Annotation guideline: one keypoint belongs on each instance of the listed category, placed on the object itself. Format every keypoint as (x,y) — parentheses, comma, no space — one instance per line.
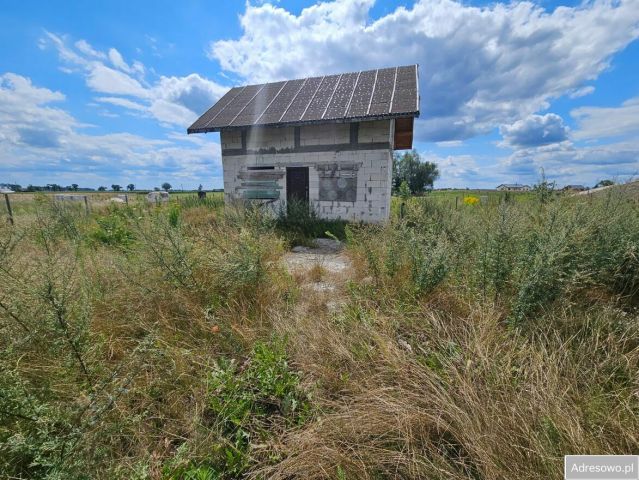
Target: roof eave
(388,116)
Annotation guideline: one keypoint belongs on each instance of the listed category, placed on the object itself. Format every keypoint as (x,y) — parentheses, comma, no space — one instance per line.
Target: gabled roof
(371,94)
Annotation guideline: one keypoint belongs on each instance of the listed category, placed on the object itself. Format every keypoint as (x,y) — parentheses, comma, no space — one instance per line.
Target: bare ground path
(321,270)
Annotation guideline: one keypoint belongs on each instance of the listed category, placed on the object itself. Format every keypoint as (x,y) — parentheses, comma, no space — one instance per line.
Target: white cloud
(84,47)
(455,170)
(41,142)
(170,100)
(569,163)
(534,131)
(607,122)
(582,92)
(123,102)
(479,66)
(103,79)
(117,61)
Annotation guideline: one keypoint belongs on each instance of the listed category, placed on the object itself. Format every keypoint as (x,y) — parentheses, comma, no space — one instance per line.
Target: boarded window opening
(261,168)
(337,183)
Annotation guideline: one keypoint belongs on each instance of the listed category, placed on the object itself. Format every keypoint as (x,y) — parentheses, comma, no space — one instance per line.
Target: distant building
(5,190)
(513,187)
(324,141)
(575,188)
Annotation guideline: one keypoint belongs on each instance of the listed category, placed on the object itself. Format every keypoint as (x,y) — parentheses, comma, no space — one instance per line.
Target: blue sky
(97,93)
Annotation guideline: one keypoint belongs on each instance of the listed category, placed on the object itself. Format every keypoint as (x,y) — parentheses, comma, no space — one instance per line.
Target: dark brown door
(297,184)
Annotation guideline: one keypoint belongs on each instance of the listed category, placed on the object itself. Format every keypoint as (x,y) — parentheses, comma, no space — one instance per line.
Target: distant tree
(74,187)
(116,188)
(409,168)
(166,186)
(604,183)
(157,189)
(200,188)
(101,189)
(130,187)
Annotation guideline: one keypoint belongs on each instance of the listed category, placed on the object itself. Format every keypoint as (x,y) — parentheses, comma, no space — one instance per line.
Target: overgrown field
(482,342)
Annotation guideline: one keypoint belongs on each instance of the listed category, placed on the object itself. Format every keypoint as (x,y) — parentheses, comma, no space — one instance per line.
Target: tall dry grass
(484,342)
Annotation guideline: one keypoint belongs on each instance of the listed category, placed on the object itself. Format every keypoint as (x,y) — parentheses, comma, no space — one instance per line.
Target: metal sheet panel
(258,104)
(280,103)
(341,96)
(214,111)
(372,94)
(302,99)
(318,105)
(383,93)
(405,96)
(362,94)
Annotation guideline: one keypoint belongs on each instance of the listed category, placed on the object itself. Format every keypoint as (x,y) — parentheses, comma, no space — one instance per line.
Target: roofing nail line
(294,97)
(269,103)
(352,94)
(313,97)
(390,106)
(230,101)
(332,94)
(247,104)
(370,102)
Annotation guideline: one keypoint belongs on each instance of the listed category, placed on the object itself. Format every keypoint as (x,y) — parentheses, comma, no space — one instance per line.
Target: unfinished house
(327,141)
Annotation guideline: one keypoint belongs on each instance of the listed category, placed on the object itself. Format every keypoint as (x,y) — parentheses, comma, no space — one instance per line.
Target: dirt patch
(321,270)
(327,254)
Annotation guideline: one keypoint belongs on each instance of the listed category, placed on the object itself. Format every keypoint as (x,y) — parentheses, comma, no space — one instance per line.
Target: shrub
(113,229)
(245,403)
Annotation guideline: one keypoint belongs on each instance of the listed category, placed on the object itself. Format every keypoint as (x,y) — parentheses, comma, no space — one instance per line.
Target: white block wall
(374,173)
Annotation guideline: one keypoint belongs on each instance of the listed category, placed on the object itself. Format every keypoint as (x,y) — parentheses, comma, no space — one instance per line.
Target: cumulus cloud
(39,141)
(170,100)
(480,67)
(534,131)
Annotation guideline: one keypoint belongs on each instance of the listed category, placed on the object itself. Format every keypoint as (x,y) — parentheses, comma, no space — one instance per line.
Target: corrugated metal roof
(372,94)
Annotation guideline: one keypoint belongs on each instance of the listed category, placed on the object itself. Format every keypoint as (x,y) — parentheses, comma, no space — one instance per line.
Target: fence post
(6,199)
(126,198)
(456,202)
(86,205)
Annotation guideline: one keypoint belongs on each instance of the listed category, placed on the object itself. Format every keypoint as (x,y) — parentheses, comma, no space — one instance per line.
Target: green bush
(113,229)
(245,403)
